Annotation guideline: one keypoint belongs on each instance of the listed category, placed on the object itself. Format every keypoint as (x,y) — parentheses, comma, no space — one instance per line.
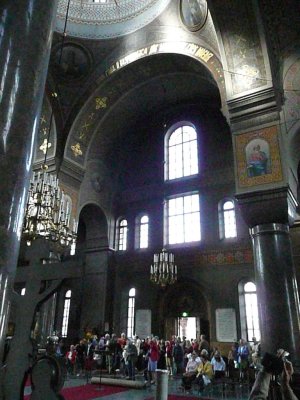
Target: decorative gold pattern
(270,135)
(84,130)
(167,47)
(76,149)
(44,146)
(43,119)
(101,102)
(232,257)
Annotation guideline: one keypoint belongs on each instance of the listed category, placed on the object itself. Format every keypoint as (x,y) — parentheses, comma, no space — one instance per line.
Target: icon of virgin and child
(257,155)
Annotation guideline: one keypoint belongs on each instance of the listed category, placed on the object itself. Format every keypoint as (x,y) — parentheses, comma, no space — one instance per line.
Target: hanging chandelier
(163,271)
(48,213)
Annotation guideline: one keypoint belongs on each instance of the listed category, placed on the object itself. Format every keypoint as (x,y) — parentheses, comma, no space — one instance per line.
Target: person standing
(71,360)
(131,359)
(161,364)
(177,357)
(153,358)
(203,345)
(243,357)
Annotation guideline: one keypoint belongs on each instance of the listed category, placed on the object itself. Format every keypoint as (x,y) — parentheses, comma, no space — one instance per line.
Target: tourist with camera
(266,383)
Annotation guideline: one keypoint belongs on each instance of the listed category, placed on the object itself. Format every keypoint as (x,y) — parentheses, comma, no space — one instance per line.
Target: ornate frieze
(225,257)
(244,54)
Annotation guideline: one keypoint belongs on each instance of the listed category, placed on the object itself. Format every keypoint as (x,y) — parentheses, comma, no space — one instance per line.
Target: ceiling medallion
(193,13)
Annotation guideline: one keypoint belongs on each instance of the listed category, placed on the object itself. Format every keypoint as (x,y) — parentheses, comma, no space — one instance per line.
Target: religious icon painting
(70,63)
(193,14)
(258,157)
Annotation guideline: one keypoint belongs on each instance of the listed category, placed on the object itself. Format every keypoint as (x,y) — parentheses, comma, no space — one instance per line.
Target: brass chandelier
(48,212)
(163,271)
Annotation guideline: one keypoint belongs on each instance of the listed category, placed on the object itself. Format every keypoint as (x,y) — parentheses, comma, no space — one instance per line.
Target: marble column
(25,42)
(278,300)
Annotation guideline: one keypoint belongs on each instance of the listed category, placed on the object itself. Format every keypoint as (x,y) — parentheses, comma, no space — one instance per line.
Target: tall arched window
(143,230)
(227,219)
(122,234)
(181,153)
(65,323)
(249,311)
(130,313)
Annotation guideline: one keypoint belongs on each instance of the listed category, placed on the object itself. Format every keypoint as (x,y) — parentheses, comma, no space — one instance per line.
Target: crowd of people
(178,356)
(193,361)
(126,355)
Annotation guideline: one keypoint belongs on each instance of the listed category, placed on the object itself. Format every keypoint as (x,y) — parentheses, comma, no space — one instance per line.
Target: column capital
(269,228)
(272,207)
(246,110)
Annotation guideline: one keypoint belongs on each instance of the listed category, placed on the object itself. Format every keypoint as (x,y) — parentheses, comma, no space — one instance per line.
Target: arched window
(227,220)
(181,153)
(143,232)
(130,313)
(65,323)
(249,311)
(122,235)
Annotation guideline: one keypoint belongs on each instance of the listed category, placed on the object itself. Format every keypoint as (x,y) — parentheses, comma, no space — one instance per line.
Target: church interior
(169,128)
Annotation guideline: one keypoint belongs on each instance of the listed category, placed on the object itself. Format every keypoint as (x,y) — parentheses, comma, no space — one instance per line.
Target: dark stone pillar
(25,42)
(277,291)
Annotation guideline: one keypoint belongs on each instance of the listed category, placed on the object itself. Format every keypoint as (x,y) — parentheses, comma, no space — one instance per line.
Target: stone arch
(128,78)
(187,296)
(94,223)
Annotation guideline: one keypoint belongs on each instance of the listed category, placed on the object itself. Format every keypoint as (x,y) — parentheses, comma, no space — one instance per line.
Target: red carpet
(88,392)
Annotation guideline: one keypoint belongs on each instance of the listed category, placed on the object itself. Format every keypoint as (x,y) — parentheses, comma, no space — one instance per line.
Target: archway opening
(188,316)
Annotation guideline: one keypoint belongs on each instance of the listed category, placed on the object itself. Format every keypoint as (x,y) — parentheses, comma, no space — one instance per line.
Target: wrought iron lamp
(163,271)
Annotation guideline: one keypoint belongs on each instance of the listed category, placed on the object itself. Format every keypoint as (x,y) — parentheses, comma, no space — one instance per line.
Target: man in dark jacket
(178,357)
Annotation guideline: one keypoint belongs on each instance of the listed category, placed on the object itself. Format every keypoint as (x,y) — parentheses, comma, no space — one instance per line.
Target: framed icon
(193,13)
